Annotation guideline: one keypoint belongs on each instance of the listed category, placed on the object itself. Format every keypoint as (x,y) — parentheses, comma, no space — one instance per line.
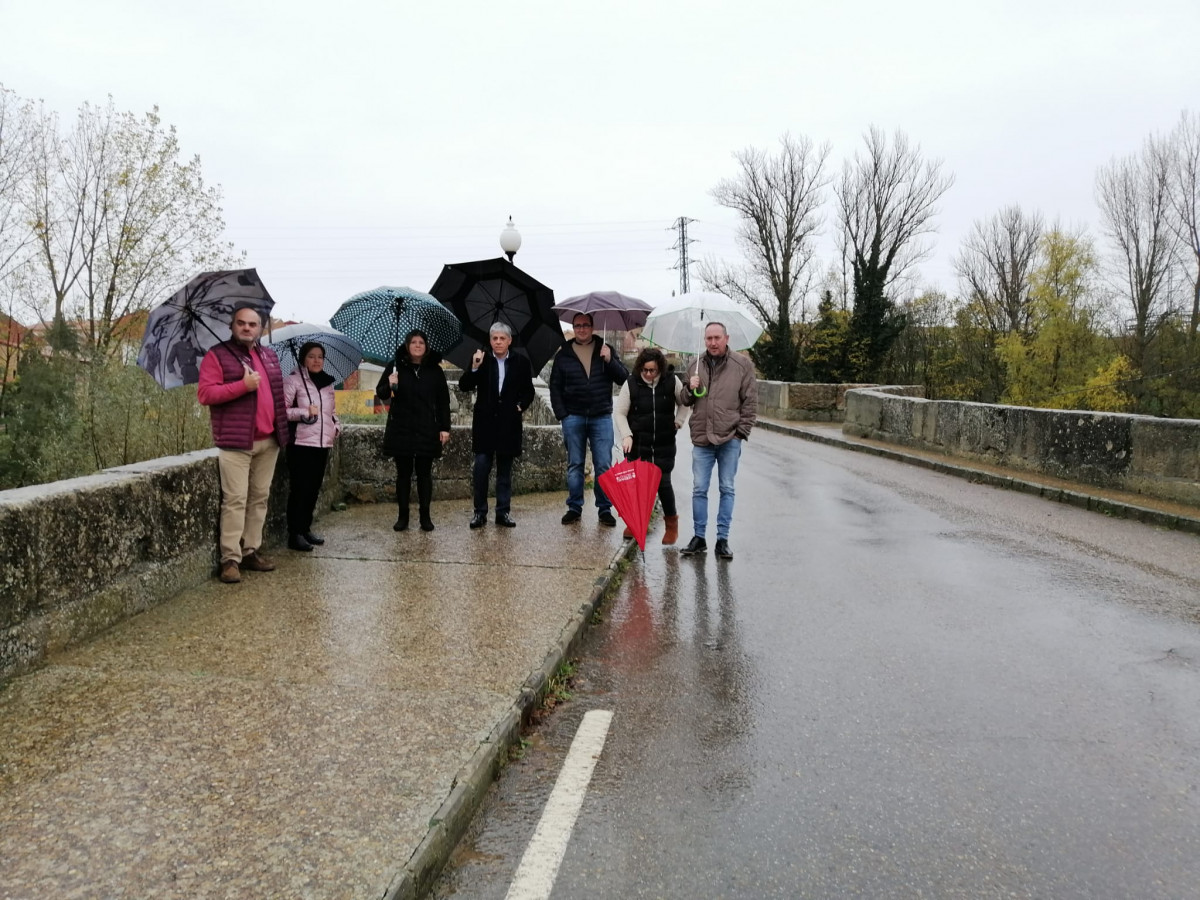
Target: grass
(558,689)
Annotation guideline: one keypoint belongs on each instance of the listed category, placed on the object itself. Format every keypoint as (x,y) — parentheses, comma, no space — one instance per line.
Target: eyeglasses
(650,370)
(579,325)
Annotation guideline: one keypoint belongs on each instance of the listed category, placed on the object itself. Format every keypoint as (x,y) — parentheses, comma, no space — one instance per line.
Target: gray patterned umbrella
(195,319)
(382,318)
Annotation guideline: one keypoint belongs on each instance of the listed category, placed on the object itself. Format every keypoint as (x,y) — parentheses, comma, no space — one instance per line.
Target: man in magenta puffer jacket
(242,385)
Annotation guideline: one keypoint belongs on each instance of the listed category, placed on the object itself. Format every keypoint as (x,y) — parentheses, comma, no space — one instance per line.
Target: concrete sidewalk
(321,731)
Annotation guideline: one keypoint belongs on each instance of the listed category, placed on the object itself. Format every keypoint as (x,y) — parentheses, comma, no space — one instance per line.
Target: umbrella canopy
(610,311)
(195,319)
(632,486)
(380,319)
(679,323)
(342,352)
(494,290)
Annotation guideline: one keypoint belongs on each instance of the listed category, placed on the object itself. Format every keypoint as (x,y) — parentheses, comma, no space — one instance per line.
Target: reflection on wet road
(904,685)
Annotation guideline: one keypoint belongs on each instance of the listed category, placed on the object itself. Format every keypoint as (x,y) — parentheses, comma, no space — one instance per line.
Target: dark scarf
(321,380)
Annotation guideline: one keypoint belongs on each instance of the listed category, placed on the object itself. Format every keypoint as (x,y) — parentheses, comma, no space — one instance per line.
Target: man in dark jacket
(242,385)
(503,382)
(581,394)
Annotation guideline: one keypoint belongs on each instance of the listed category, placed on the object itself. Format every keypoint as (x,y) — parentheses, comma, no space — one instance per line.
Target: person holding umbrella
(503,382)
(581,382)
(242,385)
(309,399)
(648,411)
(418,422)
(723,393)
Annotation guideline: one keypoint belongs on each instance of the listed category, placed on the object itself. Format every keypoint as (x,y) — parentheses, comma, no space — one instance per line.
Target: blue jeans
(578,432)
(725,457)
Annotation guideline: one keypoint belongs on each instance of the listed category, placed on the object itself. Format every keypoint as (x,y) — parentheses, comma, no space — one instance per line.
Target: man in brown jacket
(723,394)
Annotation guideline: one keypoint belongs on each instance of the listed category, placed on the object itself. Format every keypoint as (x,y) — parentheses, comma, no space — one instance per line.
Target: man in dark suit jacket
(503,382)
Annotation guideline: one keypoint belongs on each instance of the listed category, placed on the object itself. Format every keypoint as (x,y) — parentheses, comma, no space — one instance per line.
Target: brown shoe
(256,562)
(671,534)
(229,572)
(627,533)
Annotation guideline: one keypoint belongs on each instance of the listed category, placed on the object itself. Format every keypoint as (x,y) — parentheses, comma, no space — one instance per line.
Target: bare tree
(778,200)
(16,118)
(1134,194)
(1185,205)
(119,218)
(994,265)
(887,198)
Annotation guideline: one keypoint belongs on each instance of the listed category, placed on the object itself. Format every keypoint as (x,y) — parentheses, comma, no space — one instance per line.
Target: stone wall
(1156,457)
(78,556)
(368,476)
(799,402)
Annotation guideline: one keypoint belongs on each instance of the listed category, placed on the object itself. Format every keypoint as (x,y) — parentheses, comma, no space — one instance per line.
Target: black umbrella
(486,291)
(195,319)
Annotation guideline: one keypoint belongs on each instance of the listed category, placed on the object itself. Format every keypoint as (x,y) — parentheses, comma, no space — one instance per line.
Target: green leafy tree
(1106,389)
(827,345)
(1051,365)
(42,430)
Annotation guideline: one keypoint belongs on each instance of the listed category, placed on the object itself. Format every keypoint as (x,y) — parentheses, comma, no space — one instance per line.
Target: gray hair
(720,325)
(500,326)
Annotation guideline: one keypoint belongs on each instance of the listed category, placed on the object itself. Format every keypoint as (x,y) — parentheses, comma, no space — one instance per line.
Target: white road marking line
(539,866)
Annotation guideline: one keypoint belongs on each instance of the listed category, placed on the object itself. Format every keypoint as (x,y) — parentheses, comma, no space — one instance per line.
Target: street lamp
(510,239)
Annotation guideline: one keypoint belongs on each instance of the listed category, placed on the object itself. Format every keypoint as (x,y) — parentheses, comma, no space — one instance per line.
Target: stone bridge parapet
(80,555)
(1140,454)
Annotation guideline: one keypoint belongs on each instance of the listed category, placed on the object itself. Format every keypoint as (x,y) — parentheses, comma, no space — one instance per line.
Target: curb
(472,781)
(1079,499)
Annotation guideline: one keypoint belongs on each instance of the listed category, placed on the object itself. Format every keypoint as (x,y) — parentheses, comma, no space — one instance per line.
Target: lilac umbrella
(610,311)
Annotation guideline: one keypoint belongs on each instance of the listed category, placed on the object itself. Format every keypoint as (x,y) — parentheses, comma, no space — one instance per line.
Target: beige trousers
(245,485)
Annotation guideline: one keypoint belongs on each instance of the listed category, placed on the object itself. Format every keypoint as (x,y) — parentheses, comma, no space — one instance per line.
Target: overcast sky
(367,143)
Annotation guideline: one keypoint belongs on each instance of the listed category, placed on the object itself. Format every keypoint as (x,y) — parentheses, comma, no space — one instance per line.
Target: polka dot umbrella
(382,318)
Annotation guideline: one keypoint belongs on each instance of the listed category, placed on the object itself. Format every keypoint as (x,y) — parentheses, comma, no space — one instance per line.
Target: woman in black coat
(496,426)
(418,422)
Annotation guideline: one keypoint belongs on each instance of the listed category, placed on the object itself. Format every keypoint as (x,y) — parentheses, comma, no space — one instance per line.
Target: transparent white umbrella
(678,324)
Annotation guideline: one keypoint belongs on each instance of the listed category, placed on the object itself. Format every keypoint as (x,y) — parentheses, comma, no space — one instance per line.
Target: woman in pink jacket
(308,398)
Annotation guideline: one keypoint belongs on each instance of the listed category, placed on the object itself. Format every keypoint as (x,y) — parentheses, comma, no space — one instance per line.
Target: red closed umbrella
(632,486)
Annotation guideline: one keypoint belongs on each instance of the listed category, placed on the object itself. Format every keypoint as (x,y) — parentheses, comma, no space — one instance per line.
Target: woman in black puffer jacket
(418,422)
(648,412)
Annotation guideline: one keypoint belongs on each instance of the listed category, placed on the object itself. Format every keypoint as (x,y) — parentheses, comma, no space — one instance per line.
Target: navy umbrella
(342,352)
(195,319)
(382,318)
(486,291)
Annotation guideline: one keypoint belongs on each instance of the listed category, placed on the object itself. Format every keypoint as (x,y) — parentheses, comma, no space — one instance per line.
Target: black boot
(298,542)
(402,519)
(424,498)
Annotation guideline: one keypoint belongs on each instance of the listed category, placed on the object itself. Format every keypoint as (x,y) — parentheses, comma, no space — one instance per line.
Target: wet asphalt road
(904,685)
